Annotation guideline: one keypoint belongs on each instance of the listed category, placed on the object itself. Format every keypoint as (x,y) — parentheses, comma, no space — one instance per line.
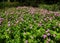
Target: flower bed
(29,25)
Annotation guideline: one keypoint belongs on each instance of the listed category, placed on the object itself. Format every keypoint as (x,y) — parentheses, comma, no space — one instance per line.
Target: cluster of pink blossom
(48,34)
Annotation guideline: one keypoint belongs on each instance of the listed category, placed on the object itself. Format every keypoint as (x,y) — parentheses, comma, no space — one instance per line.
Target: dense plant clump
(29,25)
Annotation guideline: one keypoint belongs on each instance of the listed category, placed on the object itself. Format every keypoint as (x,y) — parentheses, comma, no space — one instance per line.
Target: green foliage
(53,7)
(8,4)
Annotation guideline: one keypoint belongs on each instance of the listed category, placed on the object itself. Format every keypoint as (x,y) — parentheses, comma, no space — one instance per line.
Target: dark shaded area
(37,2)
(51,1)
(33,2)
(3,40)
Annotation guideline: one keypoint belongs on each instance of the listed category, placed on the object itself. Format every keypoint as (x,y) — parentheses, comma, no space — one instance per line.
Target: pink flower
(26,41)
(56,14)
(50,18)
(32,11)
(45,19)
(48,12)
(44,36)
(49,39)
(47,30)
(40,24)
(47,42)
(9,23)
(48,34)
(18,7)
(54,35)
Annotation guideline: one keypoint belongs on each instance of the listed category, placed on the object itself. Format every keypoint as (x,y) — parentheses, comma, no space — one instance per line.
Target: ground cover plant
(29,25)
